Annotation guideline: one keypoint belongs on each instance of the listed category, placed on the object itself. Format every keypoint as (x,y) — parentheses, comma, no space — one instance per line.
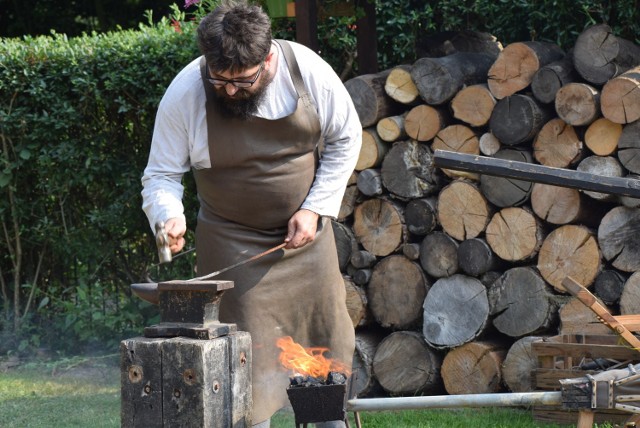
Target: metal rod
(464,400)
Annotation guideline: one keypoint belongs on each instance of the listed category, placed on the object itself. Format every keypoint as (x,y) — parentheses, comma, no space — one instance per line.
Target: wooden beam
(537,173)
(366,38)
(307,24)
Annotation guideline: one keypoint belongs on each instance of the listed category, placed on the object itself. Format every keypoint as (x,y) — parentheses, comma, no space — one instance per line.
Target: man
(272,137)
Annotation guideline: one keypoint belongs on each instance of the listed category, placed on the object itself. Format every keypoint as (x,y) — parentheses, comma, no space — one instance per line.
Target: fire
(307,361)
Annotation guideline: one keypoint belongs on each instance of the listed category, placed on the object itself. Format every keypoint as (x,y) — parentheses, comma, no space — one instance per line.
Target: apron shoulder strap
(294,70)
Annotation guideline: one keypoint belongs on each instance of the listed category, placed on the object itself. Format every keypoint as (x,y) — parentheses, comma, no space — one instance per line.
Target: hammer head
(162,242)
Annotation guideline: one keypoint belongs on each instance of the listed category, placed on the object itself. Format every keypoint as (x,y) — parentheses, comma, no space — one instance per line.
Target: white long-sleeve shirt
(180,140)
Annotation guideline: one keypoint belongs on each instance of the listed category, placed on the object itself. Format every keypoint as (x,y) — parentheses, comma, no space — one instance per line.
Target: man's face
(235,100)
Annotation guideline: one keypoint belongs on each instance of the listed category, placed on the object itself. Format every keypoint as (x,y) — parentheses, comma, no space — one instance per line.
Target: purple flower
(188,3)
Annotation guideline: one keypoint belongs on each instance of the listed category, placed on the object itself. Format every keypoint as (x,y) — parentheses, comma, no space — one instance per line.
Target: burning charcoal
(336,378)
(297,380)
(315,381)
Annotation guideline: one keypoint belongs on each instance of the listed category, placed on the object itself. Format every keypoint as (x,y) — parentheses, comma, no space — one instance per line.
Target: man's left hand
(301,229)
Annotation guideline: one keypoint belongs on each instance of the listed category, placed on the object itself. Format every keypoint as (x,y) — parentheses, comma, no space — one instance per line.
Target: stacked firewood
(450,275)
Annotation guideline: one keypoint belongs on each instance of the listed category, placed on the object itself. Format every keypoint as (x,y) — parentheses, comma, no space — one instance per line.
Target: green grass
(85,392)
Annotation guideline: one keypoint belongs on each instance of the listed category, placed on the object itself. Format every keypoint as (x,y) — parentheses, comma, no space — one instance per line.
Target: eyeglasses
(236,83)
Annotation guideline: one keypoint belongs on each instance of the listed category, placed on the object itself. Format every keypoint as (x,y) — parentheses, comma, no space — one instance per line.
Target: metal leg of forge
(190,369)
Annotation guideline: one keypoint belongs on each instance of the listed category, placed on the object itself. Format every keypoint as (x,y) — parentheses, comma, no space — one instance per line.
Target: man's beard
(244,104)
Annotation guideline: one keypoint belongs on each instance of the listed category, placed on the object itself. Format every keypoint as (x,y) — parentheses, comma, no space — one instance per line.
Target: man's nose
(230,88)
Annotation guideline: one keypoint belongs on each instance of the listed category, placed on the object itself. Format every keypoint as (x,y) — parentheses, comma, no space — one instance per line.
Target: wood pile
(452,275)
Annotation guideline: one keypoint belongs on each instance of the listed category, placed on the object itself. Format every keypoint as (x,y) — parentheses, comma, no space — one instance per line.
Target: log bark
(372,150)
(447,42)
(550,78)
(444,324)
(391,128)
(370,182)
(405,365)
(519,365)
(396,291)
(400,86)
(460,139)
(367,341)
(557,144)
(439,255)
(515,234)
(629,147)
(599,55)
(604,166)
(507,192)
(618,239)
(362,259)
(356,303)
(522,303)
(517,119)
(569,250)
(473,104)
(463,211)
(578,104)
(411,251)
(423,122)
(378,225)
(349,201)
(420,215)
(475,257)
(370,99)
(602,137)
(474,368)
(514,68)
(489,144)
(362,276)
(439,79)
(608,286)
(408,171)
(630,297)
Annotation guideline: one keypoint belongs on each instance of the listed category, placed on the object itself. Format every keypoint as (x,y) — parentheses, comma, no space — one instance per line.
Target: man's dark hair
(235,36)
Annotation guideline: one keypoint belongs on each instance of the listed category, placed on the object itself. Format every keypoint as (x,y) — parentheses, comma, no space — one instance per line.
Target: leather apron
(261,173)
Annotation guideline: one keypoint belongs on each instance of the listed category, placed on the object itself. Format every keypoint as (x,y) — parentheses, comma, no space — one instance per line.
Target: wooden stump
(518,118)
(423,122)
(367,341)
(439,79)
(463,211)
(550,78)
(370,182)
(370,98)
(606,166)
(439,254)
(576,318)
(421,215)
(608,286)
(519,364)
(459,139)
(474,368)
(599,55)
(473,104)
(602,137)
(515,234)
(578,104)
(476,258)
(405,365)
(444,324)
(356,303)
(507,192)
(522,303)
(618,239)
(515,66)
(396,291)
(564,205)
(557,144)
(378,225)
(391,128)
(372,150)
(630,297)
(349,199)
(346,243)
(569,250)
(489,144)
(400,86)
(408,171)
(362,259)
(629,147)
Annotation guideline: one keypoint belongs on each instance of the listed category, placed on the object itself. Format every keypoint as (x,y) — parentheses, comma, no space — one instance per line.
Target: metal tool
(162,242)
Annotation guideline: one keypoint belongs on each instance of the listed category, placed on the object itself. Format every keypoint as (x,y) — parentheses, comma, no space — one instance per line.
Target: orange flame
(307,361)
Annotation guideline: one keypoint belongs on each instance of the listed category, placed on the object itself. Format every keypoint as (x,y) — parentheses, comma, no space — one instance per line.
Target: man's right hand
(175,228)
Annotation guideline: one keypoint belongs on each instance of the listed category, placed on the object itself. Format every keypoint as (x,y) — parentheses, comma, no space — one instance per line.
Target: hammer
(162,242)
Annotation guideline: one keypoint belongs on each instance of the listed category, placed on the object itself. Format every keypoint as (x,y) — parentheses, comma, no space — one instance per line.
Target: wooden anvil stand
(189,370)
